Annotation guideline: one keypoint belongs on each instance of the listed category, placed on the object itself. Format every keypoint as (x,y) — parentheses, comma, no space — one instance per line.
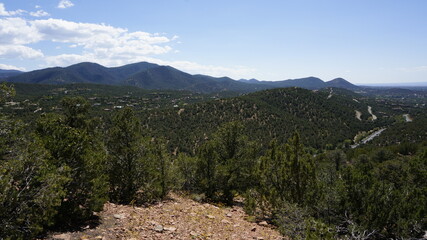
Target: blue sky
(363,41)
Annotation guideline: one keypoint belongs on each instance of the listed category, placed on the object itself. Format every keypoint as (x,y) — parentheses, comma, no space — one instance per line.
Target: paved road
(369,138)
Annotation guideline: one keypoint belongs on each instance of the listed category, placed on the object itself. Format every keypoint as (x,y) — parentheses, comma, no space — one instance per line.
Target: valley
(203,120)
(285,156)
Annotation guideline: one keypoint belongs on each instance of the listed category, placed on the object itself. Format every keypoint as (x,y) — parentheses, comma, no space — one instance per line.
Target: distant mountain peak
(341,83)
(152,76)
(4,73)
(339,79)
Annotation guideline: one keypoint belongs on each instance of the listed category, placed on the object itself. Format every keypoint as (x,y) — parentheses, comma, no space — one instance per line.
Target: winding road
(370,112)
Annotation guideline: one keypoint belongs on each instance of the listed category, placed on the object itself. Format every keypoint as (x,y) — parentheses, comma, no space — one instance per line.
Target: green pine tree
(73,142)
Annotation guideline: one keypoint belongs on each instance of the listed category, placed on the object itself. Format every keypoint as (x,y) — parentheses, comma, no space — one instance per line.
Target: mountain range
(152,76)
(9,73)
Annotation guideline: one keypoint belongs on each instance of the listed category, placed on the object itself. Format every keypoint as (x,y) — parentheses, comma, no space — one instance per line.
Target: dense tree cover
(30,185)
(384,189)
(138,167)
(34,100)
(6,92)
(66,168)
(368,193)
(265,115)
(73,142)
(287,173)
(226,163)
(401,131)
(126,156)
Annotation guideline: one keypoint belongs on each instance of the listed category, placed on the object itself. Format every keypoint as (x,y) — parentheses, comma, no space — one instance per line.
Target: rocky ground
(176,218)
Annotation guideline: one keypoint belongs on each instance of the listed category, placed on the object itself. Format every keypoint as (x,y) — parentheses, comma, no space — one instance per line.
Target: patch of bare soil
(358,115)
(177,218)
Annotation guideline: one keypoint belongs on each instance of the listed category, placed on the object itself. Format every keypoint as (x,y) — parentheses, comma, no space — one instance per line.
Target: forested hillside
(277,113)
(285,155)
(152,76)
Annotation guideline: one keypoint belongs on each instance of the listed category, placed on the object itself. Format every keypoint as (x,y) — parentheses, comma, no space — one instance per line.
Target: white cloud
(39,13)
(3,11)
(65,4)
(17,31)
(10,67)
(19,51)
(100,43)
(100,40)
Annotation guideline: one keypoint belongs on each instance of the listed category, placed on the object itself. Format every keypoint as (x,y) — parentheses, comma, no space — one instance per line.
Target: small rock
(98,237)
(63,236)
(253,229)
(263,223)
(260,238)
(170,229)
(158,228)
(225,221)
(210,216)
(193,234)
(119,216)
(229,215)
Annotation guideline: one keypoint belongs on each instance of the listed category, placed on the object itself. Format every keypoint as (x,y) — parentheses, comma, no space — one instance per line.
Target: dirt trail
(177,218)
(370,112)
(358,115)
(330,93)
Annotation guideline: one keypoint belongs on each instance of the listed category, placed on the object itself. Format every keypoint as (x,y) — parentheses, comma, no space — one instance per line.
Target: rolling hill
(79,73)
(152,76)
(307,83)
(143,75)
(268,114)
(341,83)
(9,73)
(165,77)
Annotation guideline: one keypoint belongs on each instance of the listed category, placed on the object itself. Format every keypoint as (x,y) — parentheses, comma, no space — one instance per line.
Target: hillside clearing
(176,218)
(358,115)
(370,112)
(407,118)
